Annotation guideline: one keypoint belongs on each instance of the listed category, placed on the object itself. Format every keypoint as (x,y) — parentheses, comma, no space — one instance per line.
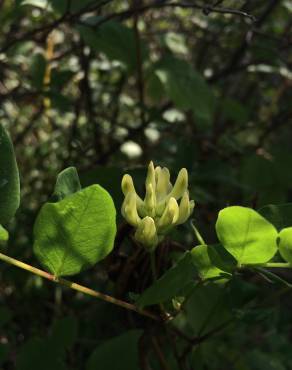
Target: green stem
(277,264)
(269,265)
(78,287)
(197,234)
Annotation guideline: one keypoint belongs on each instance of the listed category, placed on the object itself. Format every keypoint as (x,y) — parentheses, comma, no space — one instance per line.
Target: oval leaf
(201,259)
(169,284)
(185,87)
(9,179)
(119,353)
(222,259)
(67,183)
(285,244)
(76,232)
(246,235)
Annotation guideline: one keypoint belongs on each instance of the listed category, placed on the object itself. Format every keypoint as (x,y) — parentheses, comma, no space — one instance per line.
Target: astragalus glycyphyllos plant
(159,211)
(76,229)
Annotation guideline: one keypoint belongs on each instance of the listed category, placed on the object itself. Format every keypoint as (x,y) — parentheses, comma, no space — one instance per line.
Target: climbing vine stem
(77,287)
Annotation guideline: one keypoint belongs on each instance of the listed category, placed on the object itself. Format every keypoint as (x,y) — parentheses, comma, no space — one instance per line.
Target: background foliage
(107,86)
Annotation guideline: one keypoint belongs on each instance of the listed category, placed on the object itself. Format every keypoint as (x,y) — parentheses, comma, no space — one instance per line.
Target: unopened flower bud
(129,209)
(146,233)
(163,183)
(170,215)
(181,184)
(184,209)
(127,185)
(157,173)
(150,200)
(150,178)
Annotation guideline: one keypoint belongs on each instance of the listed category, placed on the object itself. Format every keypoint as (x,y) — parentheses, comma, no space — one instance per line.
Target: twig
(78,287)
(200,339)
(206,9)
(240,52)
(66,17)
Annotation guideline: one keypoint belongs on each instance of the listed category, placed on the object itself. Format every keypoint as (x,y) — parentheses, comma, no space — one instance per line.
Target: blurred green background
(107,86)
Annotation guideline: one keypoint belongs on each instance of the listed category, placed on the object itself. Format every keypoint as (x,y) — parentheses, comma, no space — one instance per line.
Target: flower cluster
(159,212)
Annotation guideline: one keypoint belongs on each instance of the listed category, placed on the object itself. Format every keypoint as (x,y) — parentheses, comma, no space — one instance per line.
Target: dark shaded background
(107,86)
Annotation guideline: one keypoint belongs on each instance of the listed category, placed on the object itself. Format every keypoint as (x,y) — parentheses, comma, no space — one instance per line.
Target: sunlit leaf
(246,235)
(114,39)
(67,183)
(203,263)
(285,244)
(75,233)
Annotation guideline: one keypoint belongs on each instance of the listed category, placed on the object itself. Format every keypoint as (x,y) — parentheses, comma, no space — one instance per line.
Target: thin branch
(243,47)
(200,339)
(47,28)
(77,287)
(206,9)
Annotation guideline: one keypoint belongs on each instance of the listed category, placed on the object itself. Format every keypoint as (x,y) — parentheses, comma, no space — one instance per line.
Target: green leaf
(119,353)
(246,235)
(285,244)
(3,234)
(207,308)
(9,179)
(176,42)
(113,39)
(76,232)
(170,284)
(275,176)
(38,354)
(221,258)
(59,101)
(60,79)
(38,70)
(280,215)
(185,87)
(201,260)
(67,183)
(61,6)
